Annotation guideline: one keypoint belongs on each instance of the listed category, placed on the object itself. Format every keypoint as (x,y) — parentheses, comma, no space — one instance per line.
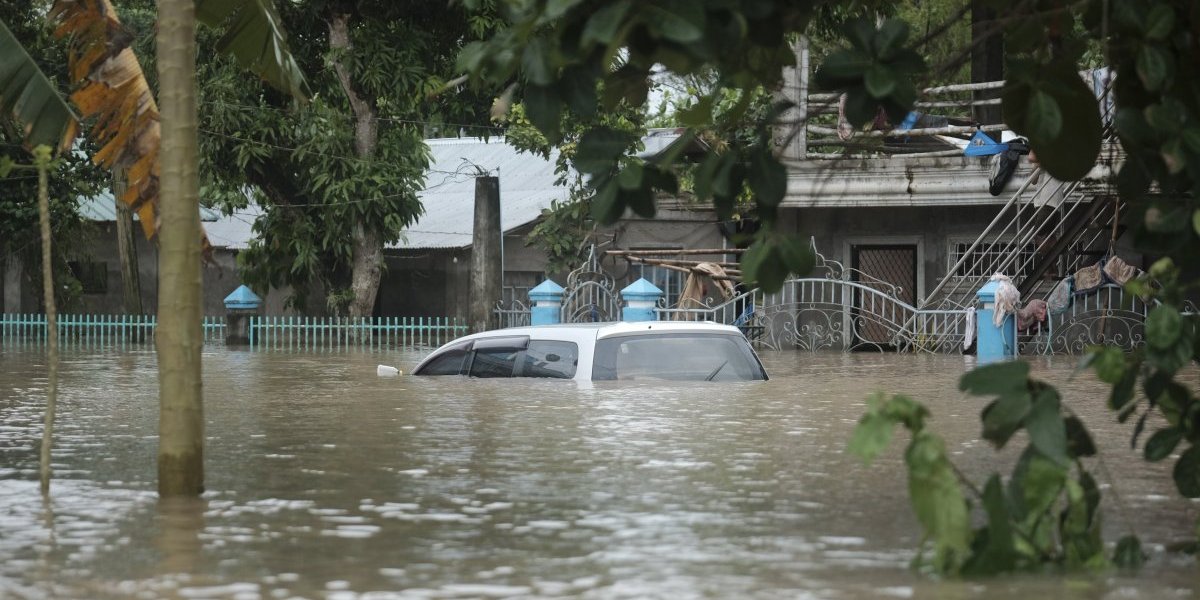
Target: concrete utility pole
(790,138)
(487,260)
(987,58)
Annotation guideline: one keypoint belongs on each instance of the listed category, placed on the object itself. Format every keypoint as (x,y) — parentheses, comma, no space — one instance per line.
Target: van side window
(449,362)
(494,362)
(546,358)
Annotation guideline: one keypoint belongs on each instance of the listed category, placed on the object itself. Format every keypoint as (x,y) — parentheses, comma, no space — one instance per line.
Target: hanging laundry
(1033,312)
(1119,271)
(1089,278)
(1007,298)
(1005,164)
(1059,299)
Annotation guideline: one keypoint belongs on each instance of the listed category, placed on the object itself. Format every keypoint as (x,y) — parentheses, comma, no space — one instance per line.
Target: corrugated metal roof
(102,208)
(527,185)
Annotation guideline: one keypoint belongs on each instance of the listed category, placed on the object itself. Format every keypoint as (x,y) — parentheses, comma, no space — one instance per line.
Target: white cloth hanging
(1008,298)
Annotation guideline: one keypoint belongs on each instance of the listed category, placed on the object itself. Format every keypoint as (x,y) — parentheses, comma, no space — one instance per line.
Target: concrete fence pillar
(239,307)
(994,343)
(545,303)
(640,299)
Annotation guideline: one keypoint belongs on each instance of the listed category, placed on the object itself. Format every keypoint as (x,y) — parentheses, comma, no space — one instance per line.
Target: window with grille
(987,258)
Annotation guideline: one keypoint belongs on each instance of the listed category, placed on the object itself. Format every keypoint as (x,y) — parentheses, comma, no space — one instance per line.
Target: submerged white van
(664,350)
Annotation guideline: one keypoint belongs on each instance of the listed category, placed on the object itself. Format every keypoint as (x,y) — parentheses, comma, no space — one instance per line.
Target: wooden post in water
(131,284)
(487,262)
(42,154)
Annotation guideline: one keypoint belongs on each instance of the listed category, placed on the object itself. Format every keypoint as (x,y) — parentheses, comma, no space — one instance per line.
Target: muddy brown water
(326,481)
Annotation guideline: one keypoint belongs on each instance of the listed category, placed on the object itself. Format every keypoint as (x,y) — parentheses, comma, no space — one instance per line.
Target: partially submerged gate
(590,295)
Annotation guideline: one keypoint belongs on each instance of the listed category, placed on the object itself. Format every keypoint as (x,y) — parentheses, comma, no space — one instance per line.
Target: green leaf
(1154,66)
(681,22)
(1071,154)
(607,204)
(641,200)
(1042,483)
(1079,441)
(28,96)
(1128,554)
(1122,391)
(1162,443)
(763,265)
(1047,432)
(871,436)
(558,8)
(1160,20)
(599,149)
(1003,417)
(1109,363)
(842,68)
(543,106)
(996,379)
(797,255)
(879,81)
(536,64)
(908,411)
(1045,118)
(254,36)
(603,25)
(1163,326)
(768,178)
(1187,473)
(669,155)
(936,496)
(999,553)
(889,37)
(630,177)
(698,114)
(1196,221)
(580,88)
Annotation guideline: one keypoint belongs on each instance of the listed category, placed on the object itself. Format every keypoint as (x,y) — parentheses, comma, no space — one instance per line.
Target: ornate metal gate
(590,295)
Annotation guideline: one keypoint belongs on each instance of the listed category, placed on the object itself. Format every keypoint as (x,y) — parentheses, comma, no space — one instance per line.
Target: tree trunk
(180,399)
(43,167)
(131,283)
(367,265)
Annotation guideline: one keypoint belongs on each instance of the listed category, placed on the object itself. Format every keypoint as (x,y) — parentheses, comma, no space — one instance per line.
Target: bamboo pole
(673,252)
(679,262)
(42,160)
(949,130)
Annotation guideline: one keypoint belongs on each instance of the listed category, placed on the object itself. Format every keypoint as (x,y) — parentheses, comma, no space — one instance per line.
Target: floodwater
(326,481)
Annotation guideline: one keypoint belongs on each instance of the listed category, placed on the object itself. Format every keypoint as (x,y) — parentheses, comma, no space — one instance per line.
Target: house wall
(436,282)
(933,229)
(219,278)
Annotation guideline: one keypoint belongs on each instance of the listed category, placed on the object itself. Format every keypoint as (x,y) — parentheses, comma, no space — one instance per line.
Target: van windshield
(678,357)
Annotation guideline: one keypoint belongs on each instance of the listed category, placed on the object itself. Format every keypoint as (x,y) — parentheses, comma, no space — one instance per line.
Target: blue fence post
(546,303)
(994,343)
(240,306)
(640,299)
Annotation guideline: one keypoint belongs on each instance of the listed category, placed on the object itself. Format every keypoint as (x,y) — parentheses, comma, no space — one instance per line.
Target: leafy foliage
(301,162)
(1046,515)
(31,99)
(72,176)
(580,58)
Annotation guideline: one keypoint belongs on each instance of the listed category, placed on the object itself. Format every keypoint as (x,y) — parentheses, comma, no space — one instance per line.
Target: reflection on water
(326,481)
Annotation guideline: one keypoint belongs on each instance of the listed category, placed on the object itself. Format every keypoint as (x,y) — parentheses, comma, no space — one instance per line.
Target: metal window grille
(987,258)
